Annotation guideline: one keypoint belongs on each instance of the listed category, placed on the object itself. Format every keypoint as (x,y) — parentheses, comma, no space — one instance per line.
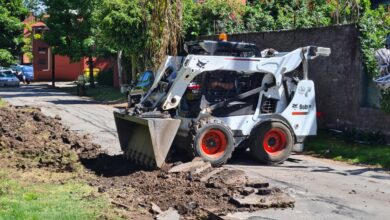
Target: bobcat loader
(221,97)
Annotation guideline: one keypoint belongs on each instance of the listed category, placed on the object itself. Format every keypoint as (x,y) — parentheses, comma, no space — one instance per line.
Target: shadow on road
(245,158)
(74,102)
(110,166)
(33,90)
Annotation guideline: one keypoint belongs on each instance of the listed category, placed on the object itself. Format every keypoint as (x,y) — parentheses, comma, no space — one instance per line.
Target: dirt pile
(29,139)
(193,192)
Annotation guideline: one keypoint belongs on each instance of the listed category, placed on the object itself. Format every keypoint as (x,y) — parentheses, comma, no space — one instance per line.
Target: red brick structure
(65,70)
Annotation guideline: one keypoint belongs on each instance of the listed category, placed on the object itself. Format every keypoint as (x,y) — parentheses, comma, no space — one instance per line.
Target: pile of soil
(29,139)
(187,192)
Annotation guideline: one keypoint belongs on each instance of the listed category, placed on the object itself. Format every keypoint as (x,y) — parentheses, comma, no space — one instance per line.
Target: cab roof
(222,48)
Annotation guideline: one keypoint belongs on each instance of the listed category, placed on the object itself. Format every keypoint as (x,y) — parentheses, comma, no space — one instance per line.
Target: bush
(374,27)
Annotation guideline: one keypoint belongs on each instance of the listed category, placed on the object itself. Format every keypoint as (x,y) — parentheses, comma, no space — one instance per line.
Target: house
(64,68)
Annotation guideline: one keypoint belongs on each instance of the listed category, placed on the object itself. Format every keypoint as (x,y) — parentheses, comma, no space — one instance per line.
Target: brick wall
(338,78)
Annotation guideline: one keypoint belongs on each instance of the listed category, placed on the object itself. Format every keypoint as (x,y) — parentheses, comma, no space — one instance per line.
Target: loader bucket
(146,141)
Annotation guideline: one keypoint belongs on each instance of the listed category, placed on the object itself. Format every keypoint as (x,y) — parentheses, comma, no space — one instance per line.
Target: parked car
(27,72)
(7,78)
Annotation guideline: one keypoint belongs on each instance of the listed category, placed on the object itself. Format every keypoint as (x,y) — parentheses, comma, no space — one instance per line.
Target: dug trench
(31,140)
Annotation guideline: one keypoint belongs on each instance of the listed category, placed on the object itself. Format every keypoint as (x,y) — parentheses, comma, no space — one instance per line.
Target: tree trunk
(53,69)
(91,77)
(133,68)
(120,69)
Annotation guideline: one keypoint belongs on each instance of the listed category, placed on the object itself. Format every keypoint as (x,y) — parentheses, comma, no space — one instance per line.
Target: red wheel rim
(274,141)
(213,143)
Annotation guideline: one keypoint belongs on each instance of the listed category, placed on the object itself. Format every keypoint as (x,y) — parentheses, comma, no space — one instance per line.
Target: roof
(38,24)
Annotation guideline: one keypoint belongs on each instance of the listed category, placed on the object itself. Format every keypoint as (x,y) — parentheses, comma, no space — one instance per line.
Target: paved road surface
(323,189)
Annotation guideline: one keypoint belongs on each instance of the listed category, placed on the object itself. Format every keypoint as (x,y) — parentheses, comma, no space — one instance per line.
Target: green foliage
(121,25)
(11,30)
(191,22)
(374,26)
(6,58)
(385,101)
(257,19)
(72,27)
(144,30)
(2,103)
(331,145)
(27,44)
(215,16)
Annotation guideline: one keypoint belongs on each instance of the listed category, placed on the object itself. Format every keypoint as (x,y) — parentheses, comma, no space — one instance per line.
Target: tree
(221,16)
(144,30)
(164,29)
(72,29)
(12,13)
(122,27)
(34,6)
(258,19)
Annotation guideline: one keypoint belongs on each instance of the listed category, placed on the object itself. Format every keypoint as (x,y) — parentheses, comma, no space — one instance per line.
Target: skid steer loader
(221,97)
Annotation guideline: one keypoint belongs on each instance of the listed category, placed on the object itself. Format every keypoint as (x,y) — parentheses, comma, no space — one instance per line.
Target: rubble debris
(257,184)
(246,191)
(206,177)
(229,178)
(277,200)
(155,208)
(170,214)
(194,165)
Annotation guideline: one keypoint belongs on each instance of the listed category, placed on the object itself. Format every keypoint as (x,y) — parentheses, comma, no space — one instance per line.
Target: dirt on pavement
(29,139)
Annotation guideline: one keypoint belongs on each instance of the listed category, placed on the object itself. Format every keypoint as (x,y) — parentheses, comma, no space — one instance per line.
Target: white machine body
(299,112)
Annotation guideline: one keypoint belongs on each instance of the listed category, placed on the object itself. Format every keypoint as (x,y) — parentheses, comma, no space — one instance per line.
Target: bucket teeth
(146,141)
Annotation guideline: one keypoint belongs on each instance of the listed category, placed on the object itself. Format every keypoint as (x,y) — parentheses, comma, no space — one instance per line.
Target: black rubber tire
(258,149)
(200,129)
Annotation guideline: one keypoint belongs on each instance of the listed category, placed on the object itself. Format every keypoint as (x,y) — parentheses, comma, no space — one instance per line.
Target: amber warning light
(222,37)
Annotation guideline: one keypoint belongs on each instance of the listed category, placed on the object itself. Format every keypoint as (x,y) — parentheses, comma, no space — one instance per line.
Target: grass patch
(2,103)
(29,200)
(332,145)
(99,93)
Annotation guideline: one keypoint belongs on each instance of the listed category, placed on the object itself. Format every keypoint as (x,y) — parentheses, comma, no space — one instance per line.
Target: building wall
(41,61)
(65,70)
(339,79)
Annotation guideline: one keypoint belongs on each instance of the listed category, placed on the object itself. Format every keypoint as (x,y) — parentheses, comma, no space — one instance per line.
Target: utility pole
(53,68)
(91,77)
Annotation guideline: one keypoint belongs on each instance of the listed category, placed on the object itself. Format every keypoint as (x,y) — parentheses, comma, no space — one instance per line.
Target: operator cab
(222,48)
